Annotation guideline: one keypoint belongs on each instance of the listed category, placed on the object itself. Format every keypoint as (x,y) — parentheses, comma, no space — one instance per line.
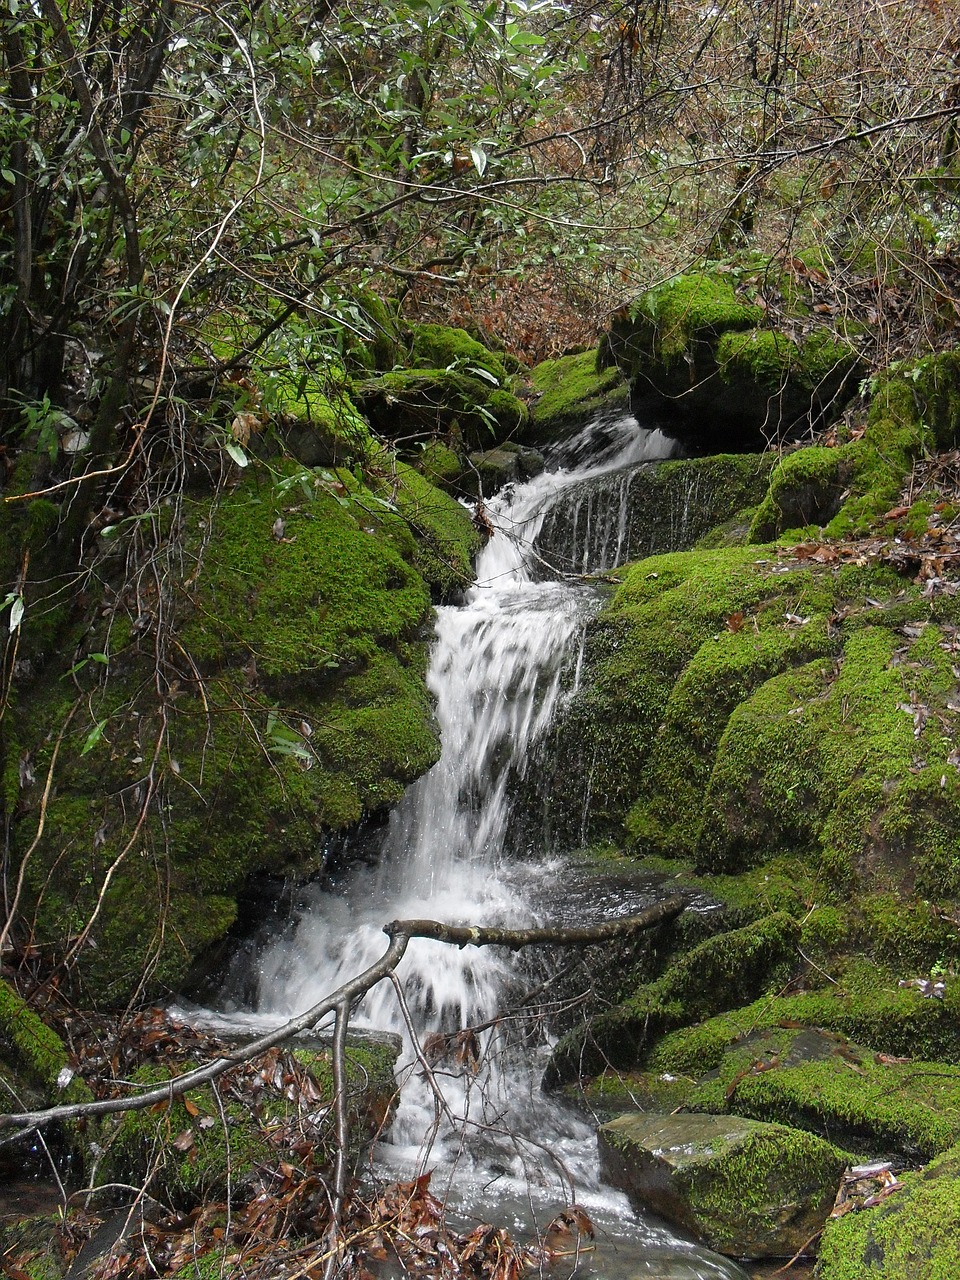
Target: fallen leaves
(865,1185)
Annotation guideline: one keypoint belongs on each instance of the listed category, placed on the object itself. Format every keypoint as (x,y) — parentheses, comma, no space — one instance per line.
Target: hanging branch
(400,932)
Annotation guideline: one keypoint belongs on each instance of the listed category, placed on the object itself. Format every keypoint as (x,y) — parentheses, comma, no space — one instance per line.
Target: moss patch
(746,1189)
(432,402)
(301,706)
(719,972)
(914,1235)
(571,390)
(438,346)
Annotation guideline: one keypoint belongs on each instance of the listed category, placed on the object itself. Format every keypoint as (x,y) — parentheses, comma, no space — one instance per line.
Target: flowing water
(498,1148)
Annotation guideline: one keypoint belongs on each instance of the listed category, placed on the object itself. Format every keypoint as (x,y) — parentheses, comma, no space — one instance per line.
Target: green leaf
(236,453)
(93,737)
(479,158)
(477,372)
(8,176)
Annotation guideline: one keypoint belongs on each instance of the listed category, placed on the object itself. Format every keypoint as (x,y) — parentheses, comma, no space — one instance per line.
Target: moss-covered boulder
(295,706)
(428,403)
(869,1009)
(913,1235)
(721,972)
(438,346)
(489,470)
(653,508)
(746,1189)
(569,391)
(698,356)
(812,1079)
(848,488)
(715,717)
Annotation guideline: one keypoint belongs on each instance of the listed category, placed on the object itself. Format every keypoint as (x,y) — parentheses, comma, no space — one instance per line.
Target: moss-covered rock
(720,972)
(914,409)
(33,1247)
(697,354)
(211,1142)
(445,538)
(653,508)
(869,1009)
(428,403)
(438,346)
(300,706)
(912,1235)
(745,1189)
(571,390)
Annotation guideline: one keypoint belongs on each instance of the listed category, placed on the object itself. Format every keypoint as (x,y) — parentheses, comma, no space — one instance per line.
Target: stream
(499,1149)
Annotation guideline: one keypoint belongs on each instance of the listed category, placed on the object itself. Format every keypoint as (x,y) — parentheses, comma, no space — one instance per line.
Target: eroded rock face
(746,1189)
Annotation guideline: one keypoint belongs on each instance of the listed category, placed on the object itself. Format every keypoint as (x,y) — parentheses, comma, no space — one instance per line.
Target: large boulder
(407,404)
(746,1189)
(700,359)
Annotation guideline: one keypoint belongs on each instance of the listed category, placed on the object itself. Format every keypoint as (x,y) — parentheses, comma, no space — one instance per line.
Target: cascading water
(500,663)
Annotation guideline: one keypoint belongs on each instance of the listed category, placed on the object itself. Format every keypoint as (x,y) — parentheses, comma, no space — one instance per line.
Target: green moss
(572,389)
(32,1247)
(869,1009)
(806,488)
(440,464)
(378,319)
(324,405)
(446,537)
(913,1109)
(437,346)
(914,408)
(913,1235)
(614,1093)
(771,360)
(743,1188)
(431,402)
(251,598)
(30,1046)
(719,972)
(722,673)
(700,303)
(313,711)
(747,1185)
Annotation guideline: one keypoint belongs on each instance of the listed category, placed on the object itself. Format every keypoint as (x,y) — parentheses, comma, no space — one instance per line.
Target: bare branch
(400,932)
(471,936)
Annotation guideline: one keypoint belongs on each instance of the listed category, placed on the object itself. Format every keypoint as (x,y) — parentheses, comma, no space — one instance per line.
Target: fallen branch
(399,932)
(473,936)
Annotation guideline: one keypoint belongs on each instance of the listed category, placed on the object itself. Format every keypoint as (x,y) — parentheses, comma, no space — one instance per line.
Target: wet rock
(491,469)
(746,1189)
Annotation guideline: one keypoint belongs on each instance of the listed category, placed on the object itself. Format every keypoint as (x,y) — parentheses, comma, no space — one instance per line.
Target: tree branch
(471,936)
(400,932)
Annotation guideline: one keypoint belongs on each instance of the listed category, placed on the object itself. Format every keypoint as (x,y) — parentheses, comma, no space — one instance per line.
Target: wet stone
(744,1188)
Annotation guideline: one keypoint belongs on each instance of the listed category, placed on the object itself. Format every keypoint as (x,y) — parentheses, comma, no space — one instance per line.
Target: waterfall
(497,668)
(500,663)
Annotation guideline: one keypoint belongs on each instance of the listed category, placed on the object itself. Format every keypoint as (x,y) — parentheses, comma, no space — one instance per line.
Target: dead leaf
(244,426)
(183,1141)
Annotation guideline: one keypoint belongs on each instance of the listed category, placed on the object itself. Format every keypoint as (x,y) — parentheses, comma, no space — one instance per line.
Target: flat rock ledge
(744,1188)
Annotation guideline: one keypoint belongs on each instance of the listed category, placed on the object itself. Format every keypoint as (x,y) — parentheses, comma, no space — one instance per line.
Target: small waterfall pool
(499,1149)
